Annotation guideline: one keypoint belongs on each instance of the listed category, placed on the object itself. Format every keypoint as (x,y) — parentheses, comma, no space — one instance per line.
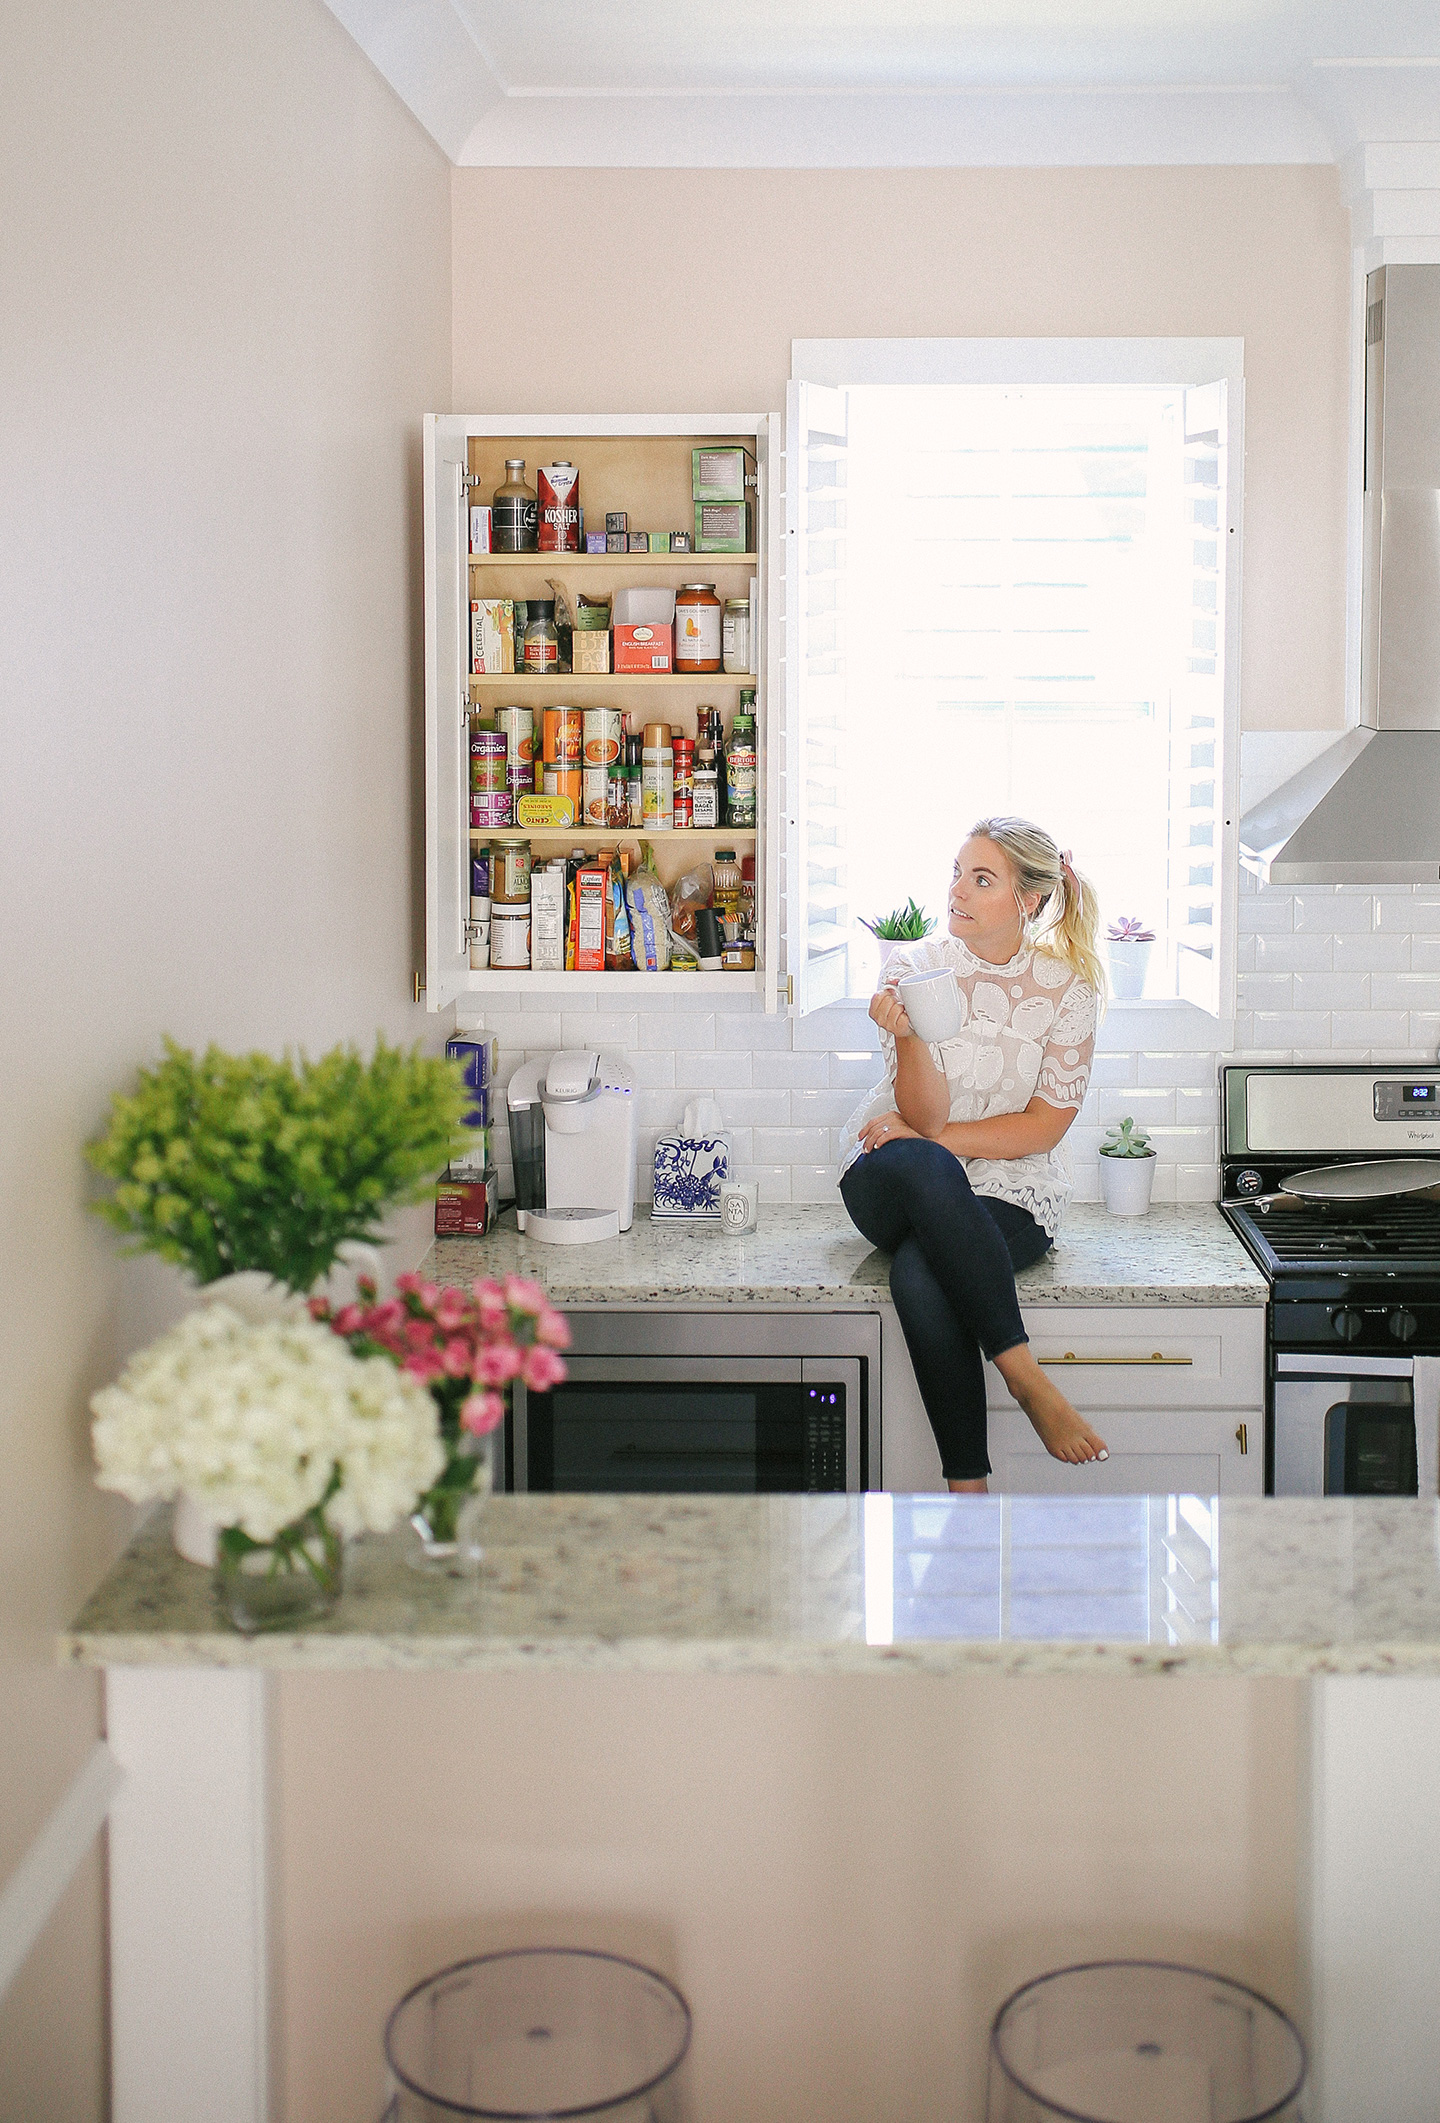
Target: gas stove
(1354,1316)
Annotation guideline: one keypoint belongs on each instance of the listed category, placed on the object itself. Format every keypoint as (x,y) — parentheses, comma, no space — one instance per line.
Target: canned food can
(601,736)
(562,737)
(510,937)
(509,875)
(595,783)
(519,727)
(487,760)
(681,812)
(489,814)
(564,781)
(520,777)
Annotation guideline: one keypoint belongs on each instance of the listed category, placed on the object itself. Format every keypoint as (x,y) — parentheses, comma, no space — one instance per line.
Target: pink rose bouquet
(468,1346)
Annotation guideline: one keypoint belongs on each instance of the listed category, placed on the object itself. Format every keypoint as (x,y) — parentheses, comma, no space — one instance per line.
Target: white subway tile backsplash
(651,1067)
(843,1025)
(792,1146)
(1198,1108)
(1280,953)
(1371,1029)
(1407,914)
(614,1030)
(1268,913)
(856,1072)
(791,1072)
(1264,991)
(1193,1072)
(1405,991)
(774,1180)
(1291,1028)
(755,1034)
(1425,954)
(822,1109)
(814,1183)
(1332,991)
(1376,952)
(1424,1033)
(689,1031)
(713,1071)
(1321,911)
(756,1109)
(1110,1071)
(1151,1109)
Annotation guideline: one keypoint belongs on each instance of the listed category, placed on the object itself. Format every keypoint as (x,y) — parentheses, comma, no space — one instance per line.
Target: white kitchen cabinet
(640,463)
(1177,1391)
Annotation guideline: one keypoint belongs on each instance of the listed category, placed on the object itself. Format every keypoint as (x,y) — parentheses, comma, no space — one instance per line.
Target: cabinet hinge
(469,480)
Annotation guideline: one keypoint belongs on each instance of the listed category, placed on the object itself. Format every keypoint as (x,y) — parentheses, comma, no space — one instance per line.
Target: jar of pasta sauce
(697,628)
(509,873)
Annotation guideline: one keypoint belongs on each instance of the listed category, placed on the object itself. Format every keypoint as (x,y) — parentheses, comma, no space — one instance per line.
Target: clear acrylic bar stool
(1142,2042)
(538,2032)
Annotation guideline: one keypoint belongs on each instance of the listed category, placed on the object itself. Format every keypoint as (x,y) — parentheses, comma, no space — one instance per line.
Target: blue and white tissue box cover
(688,1172)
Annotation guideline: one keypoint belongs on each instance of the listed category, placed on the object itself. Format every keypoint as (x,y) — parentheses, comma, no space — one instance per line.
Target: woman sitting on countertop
(953,1165)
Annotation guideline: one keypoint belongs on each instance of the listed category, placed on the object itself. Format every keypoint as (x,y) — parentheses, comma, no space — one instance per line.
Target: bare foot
(1060,1427)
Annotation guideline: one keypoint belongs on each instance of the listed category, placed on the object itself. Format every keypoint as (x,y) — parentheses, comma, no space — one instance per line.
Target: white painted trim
(191,1897)
(48,1866)
(1129,364)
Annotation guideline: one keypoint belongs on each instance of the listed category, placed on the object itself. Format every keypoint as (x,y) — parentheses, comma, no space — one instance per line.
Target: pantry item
(510,938)
(542,643)
(642,629)
(735,634)
(594,795)
(519,727)
(722,527)
(565,784)
(738,958)
(590,650)
(721,474)
(705,800)
(466,1208)
(564,621)
(616,520)
(680,542)
(600,735)
(725,891)
(594,541)
(617,919)
(558,493)
(617,797)
(591,886)
(708,940)
(547,919)
(478,934)
(487,759)
(740,770)
(515,512)
(616,542)
(648,905)
(492,636)
(687,896)
(480,878)
(509,874)
(658,778)
(541,813)
(490,814)
(562,737)
(479,530)
(683,749)
(634,781)
(638,542)
(697,628)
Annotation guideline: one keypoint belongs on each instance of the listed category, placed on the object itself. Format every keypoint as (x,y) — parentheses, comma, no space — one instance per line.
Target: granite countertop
(843,1584)
(814,1255)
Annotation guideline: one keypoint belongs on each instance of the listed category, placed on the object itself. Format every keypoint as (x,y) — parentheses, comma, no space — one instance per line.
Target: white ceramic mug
(739,1206)
(932,1004)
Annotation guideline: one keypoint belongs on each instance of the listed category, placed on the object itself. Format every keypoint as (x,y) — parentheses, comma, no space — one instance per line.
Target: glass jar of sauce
(697,628)
(509,872)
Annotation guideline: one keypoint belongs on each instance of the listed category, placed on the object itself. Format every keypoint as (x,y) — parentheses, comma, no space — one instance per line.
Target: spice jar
(542,643)
(697,628)
(735,634)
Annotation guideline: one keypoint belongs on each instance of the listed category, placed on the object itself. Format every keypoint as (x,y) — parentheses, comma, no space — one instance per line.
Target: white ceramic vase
(1126,1182)
(1128,966)
(258,1299)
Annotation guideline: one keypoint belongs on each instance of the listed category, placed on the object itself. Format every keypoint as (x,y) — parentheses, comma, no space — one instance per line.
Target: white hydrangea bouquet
(285,1440)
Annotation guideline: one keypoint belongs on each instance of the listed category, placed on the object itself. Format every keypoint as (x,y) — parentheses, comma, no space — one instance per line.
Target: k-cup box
(680,541)
(594,541)
(480,530)
(639,541)
(616,520)
(558,488)
(547,921)
(492,636)
(616,542)
(466,1208)
(659,541)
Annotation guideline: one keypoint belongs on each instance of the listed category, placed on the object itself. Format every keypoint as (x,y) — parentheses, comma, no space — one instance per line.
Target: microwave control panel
(1407,1098)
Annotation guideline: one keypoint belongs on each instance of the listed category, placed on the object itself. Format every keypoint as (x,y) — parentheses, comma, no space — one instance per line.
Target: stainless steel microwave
(705,1403)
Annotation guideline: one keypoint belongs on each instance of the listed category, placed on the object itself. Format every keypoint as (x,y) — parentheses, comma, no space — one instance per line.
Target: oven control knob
(1404,1326)
(1348,1325)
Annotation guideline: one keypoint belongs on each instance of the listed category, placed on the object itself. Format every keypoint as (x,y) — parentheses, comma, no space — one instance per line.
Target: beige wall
(224,305)
(844,1877)
(800,254)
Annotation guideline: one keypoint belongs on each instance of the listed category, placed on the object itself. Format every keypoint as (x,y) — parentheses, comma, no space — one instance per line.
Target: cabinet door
(817,915)
(447,756)
(1155,1452)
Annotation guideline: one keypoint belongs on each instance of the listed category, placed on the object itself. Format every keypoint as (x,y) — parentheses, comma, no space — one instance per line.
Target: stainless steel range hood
(1368,810)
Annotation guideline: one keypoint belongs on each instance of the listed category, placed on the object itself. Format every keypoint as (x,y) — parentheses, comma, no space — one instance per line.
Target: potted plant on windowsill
(909,924)
(1127,1169)
(1128,944)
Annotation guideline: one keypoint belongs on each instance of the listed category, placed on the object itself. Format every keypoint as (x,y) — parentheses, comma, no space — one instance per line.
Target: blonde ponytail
(1067,921)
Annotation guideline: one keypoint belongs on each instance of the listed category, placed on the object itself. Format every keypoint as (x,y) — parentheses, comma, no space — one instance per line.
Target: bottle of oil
(515,522)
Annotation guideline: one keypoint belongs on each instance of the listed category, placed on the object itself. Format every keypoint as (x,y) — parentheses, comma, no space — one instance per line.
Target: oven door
(1356,1426)
(693,1425)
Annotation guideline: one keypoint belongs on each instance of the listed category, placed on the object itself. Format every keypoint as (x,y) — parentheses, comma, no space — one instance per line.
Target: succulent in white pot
(1128,944)
(1127,1169)
(907,925)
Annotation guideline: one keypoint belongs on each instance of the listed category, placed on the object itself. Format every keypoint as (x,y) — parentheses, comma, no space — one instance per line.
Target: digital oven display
(1420,1098)
(1417,1094)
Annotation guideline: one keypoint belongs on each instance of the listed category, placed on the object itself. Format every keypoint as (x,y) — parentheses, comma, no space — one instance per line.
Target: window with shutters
(1012,597)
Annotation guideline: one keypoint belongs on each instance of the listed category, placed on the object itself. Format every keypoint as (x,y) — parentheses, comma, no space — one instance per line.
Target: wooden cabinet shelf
(608,836)
(558,562)
(571,679)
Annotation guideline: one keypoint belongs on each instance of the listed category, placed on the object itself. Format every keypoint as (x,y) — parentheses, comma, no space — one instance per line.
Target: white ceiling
(872,82)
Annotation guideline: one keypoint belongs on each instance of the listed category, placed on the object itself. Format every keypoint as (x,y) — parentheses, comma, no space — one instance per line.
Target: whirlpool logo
(1420,1135)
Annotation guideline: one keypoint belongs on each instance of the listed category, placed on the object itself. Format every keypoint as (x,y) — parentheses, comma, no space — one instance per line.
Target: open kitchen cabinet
(641,464)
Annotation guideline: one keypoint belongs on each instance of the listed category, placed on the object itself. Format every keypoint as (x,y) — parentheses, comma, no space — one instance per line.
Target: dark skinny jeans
(952,1275)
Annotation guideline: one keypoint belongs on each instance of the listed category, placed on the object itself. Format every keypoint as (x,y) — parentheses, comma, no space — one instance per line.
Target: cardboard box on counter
(466,1208)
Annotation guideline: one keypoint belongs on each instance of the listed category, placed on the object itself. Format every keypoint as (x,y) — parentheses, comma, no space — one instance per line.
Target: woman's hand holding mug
(889,1014)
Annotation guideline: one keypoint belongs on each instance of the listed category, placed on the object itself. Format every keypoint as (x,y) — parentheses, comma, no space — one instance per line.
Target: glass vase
(468,1478)
(281,1583)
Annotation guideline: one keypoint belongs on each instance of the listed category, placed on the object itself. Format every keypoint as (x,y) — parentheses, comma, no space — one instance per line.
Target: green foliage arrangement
(1126,1140)
(239,1162)
(906,925)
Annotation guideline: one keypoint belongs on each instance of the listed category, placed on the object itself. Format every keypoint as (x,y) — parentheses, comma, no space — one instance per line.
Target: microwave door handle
(1427,1424)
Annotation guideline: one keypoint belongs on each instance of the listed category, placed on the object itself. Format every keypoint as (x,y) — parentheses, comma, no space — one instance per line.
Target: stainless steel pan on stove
(1379,1179)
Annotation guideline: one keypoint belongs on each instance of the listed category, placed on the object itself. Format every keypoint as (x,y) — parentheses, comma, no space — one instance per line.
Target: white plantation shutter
(817,910)
(1198,844)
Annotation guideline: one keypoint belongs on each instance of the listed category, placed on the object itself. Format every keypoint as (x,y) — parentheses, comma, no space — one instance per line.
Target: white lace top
(1027,1031)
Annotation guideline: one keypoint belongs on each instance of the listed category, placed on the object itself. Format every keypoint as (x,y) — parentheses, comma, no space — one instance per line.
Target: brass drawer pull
(1242,1438)
(1071,1358)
